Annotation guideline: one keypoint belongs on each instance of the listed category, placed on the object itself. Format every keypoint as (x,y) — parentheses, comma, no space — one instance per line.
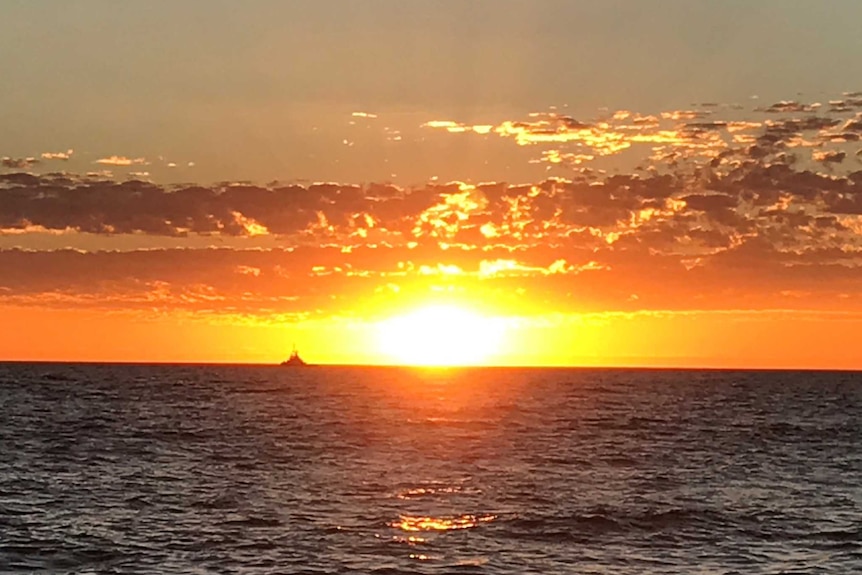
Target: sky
(631,182)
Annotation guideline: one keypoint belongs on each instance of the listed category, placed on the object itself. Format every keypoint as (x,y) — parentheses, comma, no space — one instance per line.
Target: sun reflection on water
(425,523)
(419,492)
(410,540)
(420,557)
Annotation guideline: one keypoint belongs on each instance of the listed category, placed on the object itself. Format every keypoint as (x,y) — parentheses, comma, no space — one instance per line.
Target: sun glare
(440,335)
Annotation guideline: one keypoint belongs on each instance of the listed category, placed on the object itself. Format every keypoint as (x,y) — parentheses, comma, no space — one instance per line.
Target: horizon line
(431,367)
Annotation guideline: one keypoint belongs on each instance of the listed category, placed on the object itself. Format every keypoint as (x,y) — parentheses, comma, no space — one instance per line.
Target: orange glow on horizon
(683,340)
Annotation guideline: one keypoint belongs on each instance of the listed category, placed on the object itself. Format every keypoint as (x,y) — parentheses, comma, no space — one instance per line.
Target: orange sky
(713,242)
(693,339)
(683,222)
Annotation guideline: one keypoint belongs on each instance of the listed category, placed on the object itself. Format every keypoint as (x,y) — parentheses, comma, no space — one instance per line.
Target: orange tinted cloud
(121,161)
(18,163)
(709,134)
(718,209)
(58,155)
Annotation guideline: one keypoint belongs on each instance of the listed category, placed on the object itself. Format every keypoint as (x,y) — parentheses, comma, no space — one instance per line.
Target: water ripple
(193,469)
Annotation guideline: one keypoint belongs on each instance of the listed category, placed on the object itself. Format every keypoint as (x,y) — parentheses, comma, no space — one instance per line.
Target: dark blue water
(167,469)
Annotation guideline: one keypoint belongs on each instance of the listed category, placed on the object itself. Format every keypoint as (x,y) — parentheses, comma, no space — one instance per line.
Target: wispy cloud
(709,135)
(121,161)
(58,155)
(786,106)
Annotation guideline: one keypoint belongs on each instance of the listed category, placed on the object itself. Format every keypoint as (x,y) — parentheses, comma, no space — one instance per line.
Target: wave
(61,377)
(64,556)
(132,469)
(252,522)
(587,525)
(840,536)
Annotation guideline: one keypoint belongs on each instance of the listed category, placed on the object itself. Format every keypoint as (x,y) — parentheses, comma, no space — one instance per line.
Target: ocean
(211,469)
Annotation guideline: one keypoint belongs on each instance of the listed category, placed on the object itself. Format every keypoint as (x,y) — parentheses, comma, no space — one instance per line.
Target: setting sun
(440,335)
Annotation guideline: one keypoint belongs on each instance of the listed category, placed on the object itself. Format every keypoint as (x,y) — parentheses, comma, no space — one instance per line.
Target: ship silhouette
(294,360)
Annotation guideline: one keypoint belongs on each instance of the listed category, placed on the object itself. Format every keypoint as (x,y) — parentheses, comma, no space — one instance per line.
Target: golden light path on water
(416,523)
(446,414)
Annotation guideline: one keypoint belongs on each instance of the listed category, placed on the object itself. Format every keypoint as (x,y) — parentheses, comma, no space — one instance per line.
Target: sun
(440,335)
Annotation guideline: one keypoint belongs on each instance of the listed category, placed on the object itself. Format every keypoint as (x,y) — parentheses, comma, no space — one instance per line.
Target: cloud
(710,202)
(852,101)
(121,161)
(328,280)
(713,208)
(713,135)
(18,163)
(685,114)
(457,128)
(789,106)
(828,157)
(740,194)
(58,155)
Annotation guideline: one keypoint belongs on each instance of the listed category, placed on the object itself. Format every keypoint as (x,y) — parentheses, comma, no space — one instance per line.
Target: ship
(294,360)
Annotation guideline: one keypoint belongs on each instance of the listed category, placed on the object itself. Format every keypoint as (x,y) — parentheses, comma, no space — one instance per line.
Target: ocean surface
(197,469)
